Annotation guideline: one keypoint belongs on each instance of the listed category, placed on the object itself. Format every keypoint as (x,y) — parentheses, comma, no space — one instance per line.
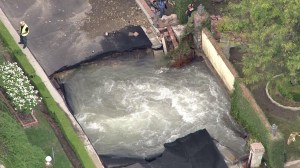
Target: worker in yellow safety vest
(24,31)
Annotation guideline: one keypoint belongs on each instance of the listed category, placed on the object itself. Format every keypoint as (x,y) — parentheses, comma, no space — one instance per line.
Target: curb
(147,11)
(54,93)
(275,102)
(292,164)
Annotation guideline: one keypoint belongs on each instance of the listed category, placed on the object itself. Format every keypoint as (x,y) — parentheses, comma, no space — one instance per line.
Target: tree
(272,32)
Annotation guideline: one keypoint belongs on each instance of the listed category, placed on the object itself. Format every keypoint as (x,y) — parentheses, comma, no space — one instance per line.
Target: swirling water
(131,108)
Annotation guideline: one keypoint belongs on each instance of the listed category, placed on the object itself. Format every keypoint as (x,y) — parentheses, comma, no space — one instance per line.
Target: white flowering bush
(18,88)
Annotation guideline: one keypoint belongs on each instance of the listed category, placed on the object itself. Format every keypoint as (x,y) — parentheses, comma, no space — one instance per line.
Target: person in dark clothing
(190,10)
(155,9)
(166,2)
(161,6)
(23,32)
(154,5)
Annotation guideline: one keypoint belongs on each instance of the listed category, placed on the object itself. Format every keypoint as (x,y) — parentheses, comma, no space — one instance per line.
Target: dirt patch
(59,134)
(25,119)
(259,93)
(112,15)
(270,108)
(4,53)
(236,59)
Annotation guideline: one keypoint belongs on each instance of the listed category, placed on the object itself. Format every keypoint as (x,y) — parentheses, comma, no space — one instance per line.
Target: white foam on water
(133,110)
(84,116)
(109,84)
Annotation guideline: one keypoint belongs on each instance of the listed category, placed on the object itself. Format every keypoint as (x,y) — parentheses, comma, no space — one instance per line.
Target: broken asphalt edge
(54,93)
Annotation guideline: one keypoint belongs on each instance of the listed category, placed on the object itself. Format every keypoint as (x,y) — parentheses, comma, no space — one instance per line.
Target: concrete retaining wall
(226,71)
(218,60)
(222,66)
(228,74)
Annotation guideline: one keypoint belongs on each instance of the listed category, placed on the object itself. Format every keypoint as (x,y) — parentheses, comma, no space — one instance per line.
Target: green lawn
(3,107)
(41,136)
(2,52)
(44,137)
(286,127)
(15,149)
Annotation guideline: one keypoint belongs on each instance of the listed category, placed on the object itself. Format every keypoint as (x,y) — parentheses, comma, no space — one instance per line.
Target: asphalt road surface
(65,33)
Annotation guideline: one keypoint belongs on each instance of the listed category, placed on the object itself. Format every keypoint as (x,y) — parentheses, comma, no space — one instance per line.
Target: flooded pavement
(131,107)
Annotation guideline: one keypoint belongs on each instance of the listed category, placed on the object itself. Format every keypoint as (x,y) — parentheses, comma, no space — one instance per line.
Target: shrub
(227,25)
(275,152)
(182,50)
(287,88)
(18,87)
(283,86)
(243,112)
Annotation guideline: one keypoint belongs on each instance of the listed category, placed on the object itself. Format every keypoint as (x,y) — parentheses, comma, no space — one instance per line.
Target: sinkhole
(129,106)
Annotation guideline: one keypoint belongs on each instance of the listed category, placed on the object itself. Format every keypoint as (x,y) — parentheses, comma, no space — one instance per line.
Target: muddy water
(131,107)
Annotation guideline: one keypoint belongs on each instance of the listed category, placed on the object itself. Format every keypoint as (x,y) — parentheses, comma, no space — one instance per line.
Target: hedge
(55,111)
(242,111)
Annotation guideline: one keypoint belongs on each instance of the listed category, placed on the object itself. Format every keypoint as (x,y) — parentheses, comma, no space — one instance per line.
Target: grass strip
(53,108)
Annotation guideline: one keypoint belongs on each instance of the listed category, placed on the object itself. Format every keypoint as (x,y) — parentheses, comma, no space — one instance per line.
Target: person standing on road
(24,31)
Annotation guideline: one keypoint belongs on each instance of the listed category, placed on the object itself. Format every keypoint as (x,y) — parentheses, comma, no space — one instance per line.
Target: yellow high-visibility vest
(23,30)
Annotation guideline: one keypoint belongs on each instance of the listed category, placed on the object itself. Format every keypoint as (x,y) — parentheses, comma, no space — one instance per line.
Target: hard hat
(22,23)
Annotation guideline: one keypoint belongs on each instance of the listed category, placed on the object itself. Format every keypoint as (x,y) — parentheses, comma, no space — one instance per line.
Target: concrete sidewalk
(54,93)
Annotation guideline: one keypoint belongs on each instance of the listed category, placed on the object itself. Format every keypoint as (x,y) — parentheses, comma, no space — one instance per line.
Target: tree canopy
(272,33)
